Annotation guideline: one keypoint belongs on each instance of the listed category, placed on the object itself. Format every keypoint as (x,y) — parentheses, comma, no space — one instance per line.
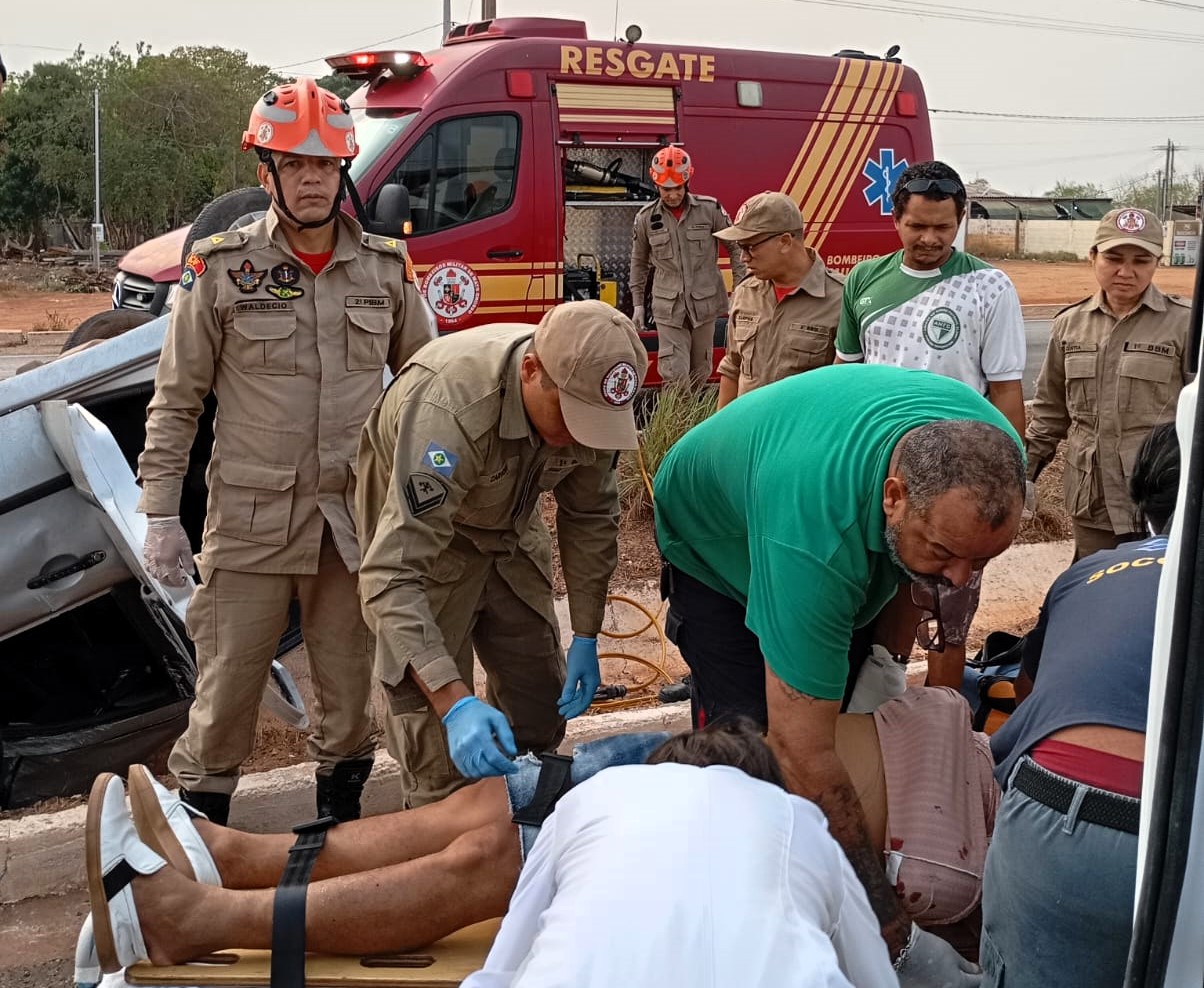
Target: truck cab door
(477,252)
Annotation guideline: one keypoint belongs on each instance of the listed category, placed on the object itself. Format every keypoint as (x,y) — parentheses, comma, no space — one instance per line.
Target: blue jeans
(589,758)
(1057,898)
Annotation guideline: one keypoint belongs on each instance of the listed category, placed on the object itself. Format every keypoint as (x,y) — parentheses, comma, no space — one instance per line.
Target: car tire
(105,326)
(226,212)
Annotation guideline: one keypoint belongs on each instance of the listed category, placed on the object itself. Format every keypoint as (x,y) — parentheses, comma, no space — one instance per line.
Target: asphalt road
(1035,330)
(1036,333)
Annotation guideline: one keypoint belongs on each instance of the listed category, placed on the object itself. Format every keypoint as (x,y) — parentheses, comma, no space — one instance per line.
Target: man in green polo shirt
(791,518)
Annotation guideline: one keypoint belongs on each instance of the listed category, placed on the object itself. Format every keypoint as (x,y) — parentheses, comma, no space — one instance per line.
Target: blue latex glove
(582,679)
(475,733)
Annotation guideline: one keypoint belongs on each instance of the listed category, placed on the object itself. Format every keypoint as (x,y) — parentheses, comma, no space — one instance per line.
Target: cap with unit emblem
(1138,227)
(766,212)
(596,359)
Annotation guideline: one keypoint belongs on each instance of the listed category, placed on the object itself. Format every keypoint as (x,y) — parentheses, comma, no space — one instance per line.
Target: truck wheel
(226,212)
(105,326)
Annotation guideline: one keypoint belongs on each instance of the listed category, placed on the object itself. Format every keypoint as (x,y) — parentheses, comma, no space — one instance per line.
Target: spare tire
(105,325)
(226,212)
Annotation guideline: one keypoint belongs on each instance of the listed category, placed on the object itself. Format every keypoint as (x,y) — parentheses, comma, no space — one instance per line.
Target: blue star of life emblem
(883,174)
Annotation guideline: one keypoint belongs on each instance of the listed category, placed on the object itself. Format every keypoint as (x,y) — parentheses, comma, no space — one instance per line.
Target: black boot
(215,805)
(339,792)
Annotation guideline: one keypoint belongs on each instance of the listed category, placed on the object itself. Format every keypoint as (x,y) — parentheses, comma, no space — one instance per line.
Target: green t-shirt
(776,501)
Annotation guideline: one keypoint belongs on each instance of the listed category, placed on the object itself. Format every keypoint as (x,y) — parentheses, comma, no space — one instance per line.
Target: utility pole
(98,230)
(1166,179)
(488,10)
(447,18)
(1170,180)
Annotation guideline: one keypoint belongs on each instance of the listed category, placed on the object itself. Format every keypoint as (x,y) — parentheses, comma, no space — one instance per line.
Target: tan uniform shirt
(296,362)
(449,466)
(1105,383)
(768,340)
(688,288)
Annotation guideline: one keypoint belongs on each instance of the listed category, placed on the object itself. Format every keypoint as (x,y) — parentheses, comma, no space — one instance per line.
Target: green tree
(171,129)
(1077,190)
(340,85)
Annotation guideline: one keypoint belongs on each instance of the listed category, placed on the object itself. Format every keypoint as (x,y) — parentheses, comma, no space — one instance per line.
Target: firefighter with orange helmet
(290,322)
(673,240)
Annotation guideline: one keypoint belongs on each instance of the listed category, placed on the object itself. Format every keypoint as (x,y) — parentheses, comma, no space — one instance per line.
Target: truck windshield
(377,131)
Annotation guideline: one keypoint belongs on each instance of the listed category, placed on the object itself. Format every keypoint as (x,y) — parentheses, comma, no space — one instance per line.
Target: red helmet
(302,118)
(671,168)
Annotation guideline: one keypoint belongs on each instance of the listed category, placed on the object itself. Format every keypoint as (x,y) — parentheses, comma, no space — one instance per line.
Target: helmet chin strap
(345,183)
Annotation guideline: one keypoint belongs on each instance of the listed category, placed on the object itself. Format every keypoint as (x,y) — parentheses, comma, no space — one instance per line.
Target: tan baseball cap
(593,354)
(766,212)
(1138,227)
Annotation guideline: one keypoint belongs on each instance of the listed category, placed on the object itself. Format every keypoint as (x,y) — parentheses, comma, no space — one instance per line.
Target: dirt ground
(1063,282)
(35,297)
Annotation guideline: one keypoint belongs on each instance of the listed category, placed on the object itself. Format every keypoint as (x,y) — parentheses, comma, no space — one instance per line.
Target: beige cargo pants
(236,619)
(685,352)
(502,607)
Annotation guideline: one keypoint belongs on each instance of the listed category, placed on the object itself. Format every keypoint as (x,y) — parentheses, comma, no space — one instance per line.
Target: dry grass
(677,409)
(53,322)
(1051,523)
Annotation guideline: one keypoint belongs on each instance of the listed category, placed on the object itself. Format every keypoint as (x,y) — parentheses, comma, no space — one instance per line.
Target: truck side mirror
(391,215)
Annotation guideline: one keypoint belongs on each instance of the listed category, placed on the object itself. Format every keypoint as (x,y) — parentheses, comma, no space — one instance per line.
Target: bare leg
(384,910)
(256,861)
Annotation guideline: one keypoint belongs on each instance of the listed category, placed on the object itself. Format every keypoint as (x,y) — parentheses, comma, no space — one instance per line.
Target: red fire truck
(515,156)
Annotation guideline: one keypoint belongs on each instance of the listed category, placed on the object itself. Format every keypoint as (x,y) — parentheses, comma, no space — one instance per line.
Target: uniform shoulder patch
(424,492)
(646,208)
(836,276)
(1073,305)
(392,246)
(1180,300)
(386,245)
(706,199)
(218,242)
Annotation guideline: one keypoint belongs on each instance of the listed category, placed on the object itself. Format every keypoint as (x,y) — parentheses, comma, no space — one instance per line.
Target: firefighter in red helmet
(290,322)
(673,239)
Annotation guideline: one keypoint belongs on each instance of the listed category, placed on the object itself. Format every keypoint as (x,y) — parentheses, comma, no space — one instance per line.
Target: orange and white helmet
(301,118)
(671,168)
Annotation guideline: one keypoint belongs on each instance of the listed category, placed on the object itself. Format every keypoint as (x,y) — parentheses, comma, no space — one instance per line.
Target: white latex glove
(637,317)
(881,679)
(1030,501)
(933,963)
(167,552)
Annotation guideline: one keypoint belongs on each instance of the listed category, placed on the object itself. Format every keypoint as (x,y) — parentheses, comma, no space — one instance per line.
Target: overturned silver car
(96,671)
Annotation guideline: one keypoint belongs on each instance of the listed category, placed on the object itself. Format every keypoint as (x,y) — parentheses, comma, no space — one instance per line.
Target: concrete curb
(44,854)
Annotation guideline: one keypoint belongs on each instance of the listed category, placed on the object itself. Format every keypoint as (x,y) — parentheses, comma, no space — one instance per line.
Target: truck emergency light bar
(369,64)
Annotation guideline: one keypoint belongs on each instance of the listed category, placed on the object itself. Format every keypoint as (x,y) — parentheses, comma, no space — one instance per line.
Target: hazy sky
(1117,59)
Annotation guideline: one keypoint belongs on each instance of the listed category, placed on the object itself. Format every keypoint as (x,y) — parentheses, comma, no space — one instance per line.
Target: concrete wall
(991,238)
(1050,236)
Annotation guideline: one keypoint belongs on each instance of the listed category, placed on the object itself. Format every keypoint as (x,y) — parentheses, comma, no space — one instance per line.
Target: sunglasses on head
(946,185)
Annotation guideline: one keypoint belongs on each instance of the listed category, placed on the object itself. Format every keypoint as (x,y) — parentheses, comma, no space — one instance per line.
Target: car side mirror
(391,215)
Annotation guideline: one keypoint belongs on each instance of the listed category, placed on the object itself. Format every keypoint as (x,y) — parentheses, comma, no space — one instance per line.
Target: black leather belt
(1107,809)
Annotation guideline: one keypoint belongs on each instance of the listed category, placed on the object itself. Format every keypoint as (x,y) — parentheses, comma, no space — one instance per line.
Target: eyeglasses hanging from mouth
(930,632)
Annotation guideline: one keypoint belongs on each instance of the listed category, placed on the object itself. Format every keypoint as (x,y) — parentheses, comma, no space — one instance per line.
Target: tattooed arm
(802,733)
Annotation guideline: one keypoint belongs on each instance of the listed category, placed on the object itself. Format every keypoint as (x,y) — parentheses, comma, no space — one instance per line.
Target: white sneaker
(115,856)
(164,823)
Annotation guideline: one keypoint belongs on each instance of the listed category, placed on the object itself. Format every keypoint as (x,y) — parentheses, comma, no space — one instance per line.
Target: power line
(990,114)
(977,15)
(1178,4)
(17,44)
(373,44)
